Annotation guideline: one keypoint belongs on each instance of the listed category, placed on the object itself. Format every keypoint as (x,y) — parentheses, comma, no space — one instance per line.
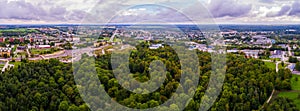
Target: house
(11,39)
(2,39)
(22,40)
(31,39)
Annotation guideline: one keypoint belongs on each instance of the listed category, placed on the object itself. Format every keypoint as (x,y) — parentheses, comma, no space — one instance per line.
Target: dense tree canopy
(49,84)
(281,104)
(42,85)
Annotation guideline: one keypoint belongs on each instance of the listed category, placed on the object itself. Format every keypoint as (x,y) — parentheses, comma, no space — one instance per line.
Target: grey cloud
(161,14)
(19,10)
(295,11)
(22,10)
(266,1)
(104,11)
(222,8)
(283,11)
(77,15)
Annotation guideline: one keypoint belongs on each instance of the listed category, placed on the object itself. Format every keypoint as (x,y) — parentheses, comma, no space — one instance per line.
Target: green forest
(49,85)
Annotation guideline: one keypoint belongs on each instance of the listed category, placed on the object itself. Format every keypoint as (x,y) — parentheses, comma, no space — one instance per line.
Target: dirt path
(271,96)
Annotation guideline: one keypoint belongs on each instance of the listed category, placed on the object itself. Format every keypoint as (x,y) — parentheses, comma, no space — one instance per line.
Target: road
(28,53)
(289,51)
(5,66)
(113,36)
(271,96)
(103,52)
(277,63)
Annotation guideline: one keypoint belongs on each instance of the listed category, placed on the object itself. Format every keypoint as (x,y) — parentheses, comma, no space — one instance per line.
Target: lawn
(106,38)
(43,51)
(16,64)
(39,51)
(18,31)
(293,96)
(1,66)
(271,65)
(117,40)
(282,67)
(295,84)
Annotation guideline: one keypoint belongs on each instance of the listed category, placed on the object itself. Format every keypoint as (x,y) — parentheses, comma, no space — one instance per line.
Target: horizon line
(149,24)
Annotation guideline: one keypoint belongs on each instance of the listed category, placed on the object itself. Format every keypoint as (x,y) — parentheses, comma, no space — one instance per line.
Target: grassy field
(271,65)
(293,96)
(295,83)
(16,64)
(282,67)
(1,66)
(43,51)
(108,38)
(16,32)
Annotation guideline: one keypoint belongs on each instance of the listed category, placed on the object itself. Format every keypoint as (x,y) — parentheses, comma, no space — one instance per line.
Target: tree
(83,107)
(297,67)
(73,108)
(293,60)
(63,106)
(174,107)
(282,64)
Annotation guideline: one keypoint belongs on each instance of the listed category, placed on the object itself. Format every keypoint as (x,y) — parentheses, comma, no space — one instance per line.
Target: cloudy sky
(135,11)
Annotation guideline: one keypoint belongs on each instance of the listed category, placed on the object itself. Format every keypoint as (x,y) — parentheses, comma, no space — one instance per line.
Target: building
(2,39)
(283,46)
(101,43)
(252,53)
(42,46)
(31,39)
(291,67)
(155,46)
(261,40)
(232,51)
(11,39)
(5,52)
(21,47)
(276,54)
(76,40)
(22,40)
(57,44)
(230,33)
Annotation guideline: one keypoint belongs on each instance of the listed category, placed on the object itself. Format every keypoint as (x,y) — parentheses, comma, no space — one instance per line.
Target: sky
(150,11)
